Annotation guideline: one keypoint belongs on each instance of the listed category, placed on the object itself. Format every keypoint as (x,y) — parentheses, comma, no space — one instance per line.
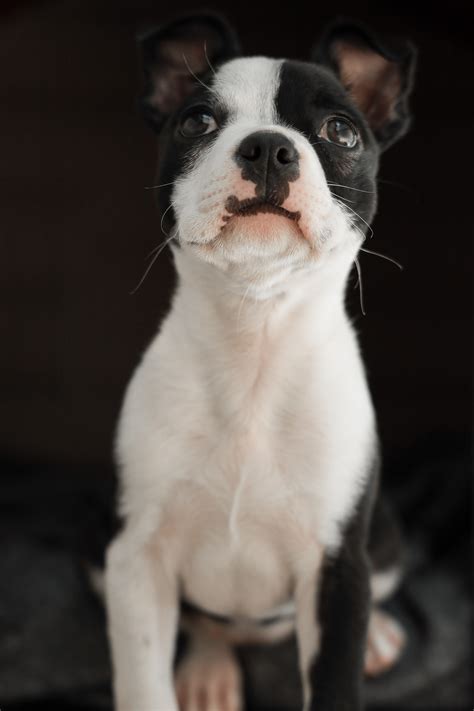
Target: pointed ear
(172,54)
(378,78)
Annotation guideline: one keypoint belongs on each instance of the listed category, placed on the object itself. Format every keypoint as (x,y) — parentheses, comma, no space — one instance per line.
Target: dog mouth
(256,206)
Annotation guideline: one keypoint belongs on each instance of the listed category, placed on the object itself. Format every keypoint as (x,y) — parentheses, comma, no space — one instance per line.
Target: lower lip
(265,210)
(260,225)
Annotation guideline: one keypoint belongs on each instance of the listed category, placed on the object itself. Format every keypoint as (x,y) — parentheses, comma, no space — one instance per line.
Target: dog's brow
(248,87)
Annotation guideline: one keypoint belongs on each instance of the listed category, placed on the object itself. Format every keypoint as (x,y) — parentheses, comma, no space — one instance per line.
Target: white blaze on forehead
(248,88)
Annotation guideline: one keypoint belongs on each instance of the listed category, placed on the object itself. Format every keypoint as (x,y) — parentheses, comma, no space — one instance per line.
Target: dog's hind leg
(386,638)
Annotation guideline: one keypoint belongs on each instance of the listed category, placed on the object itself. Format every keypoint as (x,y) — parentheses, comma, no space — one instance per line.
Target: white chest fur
(244,437)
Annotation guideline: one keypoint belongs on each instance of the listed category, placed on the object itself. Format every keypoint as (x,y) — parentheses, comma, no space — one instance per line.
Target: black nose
(271,161)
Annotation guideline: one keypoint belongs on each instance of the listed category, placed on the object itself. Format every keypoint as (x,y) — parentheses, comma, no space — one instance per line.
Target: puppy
(247,445)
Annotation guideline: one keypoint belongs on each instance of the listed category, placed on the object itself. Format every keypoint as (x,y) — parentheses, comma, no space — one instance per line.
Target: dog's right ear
(176,56)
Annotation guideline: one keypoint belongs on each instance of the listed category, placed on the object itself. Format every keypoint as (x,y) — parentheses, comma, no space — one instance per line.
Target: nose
(270,160)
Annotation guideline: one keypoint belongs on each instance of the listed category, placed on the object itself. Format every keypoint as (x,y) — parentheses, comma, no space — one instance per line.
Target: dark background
(77,225)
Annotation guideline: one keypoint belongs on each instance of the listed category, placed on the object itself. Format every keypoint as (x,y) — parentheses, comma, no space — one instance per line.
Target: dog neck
(219,309)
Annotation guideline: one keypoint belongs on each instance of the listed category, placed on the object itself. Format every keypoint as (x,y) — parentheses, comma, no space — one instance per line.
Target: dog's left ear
(176,56)
(379,79)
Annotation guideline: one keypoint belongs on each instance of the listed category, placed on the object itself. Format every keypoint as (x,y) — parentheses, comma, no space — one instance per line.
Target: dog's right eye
(197,123)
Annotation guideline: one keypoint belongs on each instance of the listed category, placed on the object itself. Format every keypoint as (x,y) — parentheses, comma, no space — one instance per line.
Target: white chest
(243,453)
(239,530)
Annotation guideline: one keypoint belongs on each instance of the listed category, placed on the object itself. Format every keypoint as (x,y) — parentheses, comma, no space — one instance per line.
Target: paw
(209,679)
(385,642)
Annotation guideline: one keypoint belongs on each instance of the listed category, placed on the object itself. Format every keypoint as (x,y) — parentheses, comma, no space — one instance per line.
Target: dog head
(269,166)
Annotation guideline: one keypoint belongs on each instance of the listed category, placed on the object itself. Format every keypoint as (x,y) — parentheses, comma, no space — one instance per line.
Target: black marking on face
(270,160)
(176,151)
(254,206)
(179,60)
(307,97)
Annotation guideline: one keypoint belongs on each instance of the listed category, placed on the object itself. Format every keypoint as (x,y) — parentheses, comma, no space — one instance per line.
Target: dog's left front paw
(385,643)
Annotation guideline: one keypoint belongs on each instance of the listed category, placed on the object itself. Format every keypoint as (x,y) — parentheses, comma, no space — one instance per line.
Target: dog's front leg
(332,619)
(142,607)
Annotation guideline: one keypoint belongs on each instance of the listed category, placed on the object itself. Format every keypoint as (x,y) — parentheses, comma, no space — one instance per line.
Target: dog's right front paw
(209,679)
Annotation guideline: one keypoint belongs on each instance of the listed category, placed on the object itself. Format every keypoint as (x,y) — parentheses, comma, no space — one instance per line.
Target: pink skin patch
(305,205)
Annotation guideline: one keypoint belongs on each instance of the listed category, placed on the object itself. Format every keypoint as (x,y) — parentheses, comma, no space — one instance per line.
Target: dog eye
(198,123)
(339,131)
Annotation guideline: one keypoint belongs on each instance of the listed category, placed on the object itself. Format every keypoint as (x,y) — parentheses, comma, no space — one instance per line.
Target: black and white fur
(247,445)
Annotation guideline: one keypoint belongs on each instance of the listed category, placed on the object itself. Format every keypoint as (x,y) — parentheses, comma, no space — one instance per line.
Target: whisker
(160,248)
(340,198)
(394,184)
(194,75)
(242,301)
(348,187)
(362,235)
(160,245)
(357,215)
(359,284)
(154,187)
(383,256)
(353,225)
(207,58)
(163,217)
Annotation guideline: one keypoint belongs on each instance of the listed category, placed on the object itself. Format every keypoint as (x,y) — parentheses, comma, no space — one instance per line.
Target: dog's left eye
(198,123)
(339,131)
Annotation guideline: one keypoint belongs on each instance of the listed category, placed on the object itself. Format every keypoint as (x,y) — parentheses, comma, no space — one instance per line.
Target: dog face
(268,165)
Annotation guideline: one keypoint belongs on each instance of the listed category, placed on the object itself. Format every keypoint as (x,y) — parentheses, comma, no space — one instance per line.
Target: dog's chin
(267,230)
(262,249)
(261,236)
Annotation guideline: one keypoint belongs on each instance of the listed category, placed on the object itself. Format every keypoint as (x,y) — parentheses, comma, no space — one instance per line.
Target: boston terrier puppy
(247,444)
